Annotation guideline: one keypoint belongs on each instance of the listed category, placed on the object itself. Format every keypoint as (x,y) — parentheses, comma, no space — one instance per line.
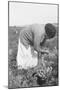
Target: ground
(45,74)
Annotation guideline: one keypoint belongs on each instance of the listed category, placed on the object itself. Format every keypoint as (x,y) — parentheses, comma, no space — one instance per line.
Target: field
(45,74)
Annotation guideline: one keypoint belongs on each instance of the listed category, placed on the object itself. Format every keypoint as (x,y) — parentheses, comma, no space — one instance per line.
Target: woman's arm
(26,37)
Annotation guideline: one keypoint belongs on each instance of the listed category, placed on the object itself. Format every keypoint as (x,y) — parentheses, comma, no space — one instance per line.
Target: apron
(24,57)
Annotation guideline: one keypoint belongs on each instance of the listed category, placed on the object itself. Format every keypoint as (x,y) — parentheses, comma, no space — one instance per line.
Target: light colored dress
(25,59)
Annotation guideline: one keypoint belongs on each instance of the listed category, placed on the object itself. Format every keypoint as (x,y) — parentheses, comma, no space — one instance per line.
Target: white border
(4,43)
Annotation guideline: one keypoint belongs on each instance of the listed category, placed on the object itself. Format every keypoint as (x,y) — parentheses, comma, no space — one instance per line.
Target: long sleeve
(26,37)
(39,33)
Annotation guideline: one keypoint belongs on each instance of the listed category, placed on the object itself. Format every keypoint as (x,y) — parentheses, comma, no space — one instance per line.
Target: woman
(30,41)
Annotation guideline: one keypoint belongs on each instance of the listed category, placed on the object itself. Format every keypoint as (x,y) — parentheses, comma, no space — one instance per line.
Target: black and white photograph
(33,34)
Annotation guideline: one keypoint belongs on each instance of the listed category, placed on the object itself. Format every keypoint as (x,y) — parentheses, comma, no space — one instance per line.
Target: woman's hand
(43,51)
(34,52)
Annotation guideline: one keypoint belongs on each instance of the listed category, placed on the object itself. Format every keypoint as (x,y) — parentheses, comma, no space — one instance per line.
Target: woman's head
(50,30)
